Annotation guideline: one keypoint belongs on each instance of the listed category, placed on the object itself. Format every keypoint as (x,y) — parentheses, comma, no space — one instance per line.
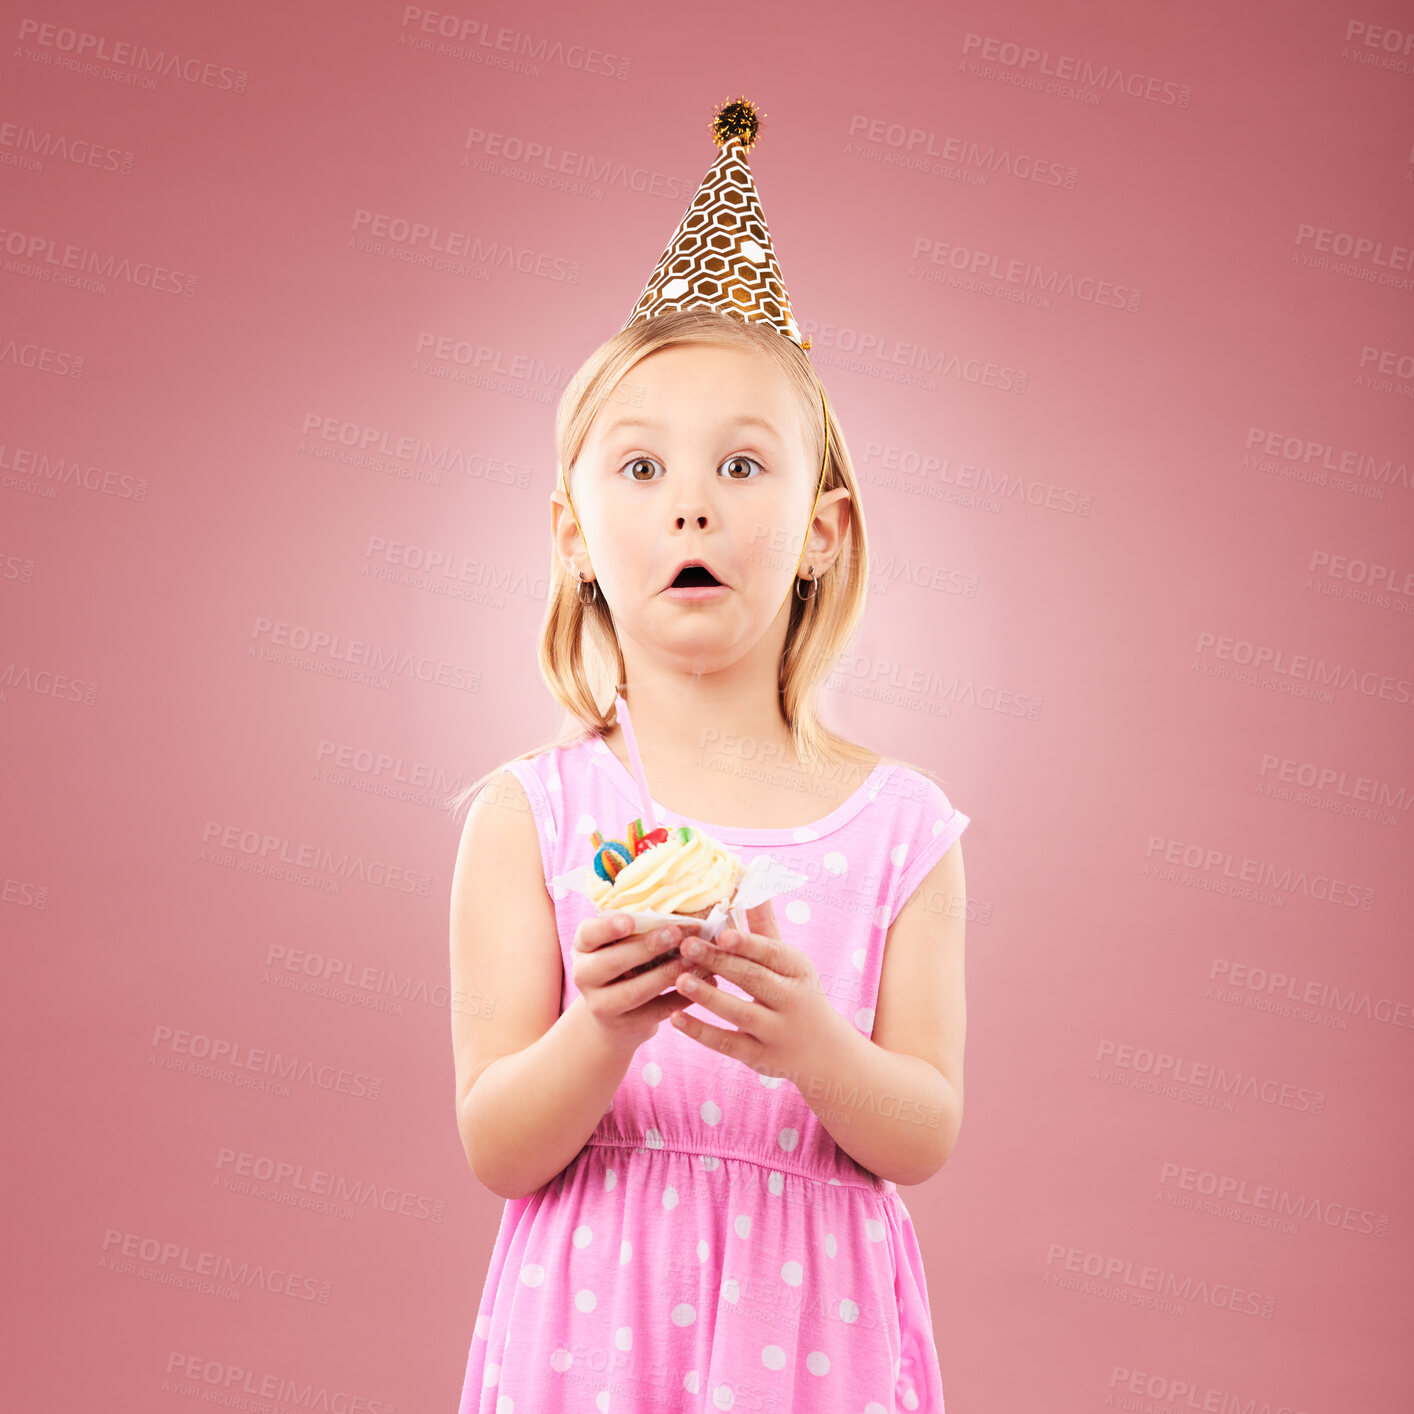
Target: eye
(632,466)
(738,461)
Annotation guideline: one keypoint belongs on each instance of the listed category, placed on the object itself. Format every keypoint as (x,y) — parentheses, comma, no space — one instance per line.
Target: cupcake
(681,871)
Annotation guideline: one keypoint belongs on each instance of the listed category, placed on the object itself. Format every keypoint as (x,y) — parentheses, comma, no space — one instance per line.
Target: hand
(620,975)
(786,1018)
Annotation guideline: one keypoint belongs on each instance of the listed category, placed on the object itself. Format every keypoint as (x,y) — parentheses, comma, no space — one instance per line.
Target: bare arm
(893,1101)
(532,1082)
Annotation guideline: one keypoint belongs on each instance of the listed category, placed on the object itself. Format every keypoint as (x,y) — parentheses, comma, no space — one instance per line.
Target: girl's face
(698,455)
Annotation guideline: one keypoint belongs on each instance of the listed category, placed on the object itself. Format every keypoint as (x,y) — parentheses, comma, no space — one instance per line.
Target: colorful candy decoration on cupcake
(612,855)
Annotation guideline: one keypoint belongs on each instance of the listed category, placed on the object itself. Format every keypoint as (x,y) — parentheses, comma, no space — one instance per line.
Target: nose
(691,500)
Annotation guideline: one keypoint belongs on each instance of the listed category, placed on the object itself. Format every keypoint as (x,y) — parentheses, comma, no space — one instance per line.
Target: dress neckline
(739,834)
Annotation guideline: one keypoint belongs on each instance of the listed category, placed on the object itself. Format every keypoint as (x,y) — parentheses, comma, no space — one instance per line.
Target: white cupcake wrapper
(763,878)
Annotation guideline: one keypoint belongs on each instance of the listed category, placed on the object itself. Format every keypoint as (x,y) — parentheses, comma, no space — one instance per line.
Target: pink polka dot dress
(711,1247)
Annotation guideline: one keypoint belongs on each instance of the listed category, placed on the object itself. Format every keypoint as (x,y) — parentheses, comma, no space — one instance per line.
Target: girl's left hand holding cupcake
(784,1019)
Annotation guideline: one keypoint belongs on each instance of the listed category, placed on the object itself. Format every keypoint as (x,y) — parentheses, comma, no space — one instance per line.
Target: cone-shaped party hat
(721,256)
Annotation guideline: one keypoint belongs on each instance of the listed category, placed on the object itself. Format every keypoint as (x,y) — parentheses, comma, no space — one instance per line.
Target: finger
(627,993)
(617,960)
(719,1038)
(771,953)
(761,918)
(595,933)
(741,1012)
(749,975)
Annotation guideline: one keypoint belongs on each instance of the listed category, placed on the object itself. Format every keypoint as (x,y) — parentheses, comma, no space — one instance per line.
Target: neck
(682,717)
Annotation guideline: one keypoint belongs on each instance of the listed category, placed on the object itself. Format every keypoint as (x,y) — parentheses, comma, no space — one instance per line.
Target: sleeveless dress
(711,1247)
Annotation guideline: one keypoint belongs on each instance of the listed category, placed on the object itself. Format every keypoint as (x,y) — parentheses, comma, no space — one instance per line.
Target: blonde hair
(579,653)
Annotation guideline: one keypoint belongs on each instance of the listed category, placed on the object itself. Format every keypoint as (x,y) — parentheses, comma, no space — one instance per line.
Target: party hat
(721,256)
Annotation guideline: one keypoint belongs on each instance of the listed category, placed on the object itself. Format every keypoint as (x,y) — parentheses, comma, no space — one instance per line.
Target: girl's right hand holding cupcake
(629,1009)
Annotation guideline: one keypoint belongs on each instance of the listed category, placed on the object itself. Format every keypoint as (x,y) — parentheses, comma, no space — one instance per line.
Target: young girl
(705,1215)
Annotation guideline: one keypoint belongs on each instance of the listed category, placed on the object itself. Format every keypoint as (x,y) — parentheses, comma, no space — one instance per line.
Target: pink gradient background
(1052,654)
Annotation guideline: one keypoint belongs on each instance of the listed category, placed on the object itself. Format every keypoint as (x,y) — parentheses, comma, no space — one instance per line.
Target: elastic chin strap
(819,487)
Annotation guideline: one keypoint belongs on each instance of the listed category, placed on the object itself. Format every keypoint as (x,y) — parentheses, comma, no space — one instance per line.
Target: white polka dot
(741,1225)
(773,1357)
(898,854)
(835,862)
(653,1139)
(798,911)
(652,1073)
(691,1381)
(601,1401)
(586,826)
(881,916)
(552,781)
(938,827)
(483,1327)
(611,1177)
(623,1338)
(492,1375)
(873,1229)
(670,1197)
(792,1273)
(625,1252)
(724,1396)
(583,1235)
(752,252)
(505,1404)
(864,1019)
(776,1184)
(684,1314)
(709,1161)
(585,1300)
(817,1362)
(874,1407)
(910,1398)
(770,1081)
(561,1360)
(704,1249)
(788,1139)
(857,957)
(731,1290)
(849,1312)
(831,1246)
(711,1112)
(532,1275)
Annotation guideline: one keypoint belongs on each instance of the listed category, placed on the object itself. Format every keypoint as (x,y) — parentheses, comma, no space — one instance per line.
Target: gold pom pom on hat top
(736,119)
(721,256)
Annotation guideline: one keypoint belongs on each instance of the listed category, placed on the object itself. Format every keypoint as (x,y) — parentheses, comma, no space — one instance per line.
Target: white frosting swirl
(672,877)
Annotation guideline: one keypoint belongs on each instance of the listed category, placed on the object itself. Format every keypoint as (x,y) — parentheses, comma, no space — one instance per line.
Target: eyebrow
(746,419)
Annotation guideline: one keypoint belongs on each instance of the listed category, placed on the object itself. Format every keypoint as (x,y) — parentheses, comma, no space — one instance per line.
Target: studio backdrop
(1114,302)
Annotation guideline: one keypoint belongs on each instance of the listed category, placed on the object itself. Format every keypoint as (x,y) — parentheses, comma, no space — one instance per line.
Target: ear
(828,534)
(564,531)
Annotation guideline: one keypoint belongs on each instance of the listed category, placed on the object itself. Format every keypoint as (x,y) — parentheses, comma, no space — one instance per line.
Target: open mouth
(694,577)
